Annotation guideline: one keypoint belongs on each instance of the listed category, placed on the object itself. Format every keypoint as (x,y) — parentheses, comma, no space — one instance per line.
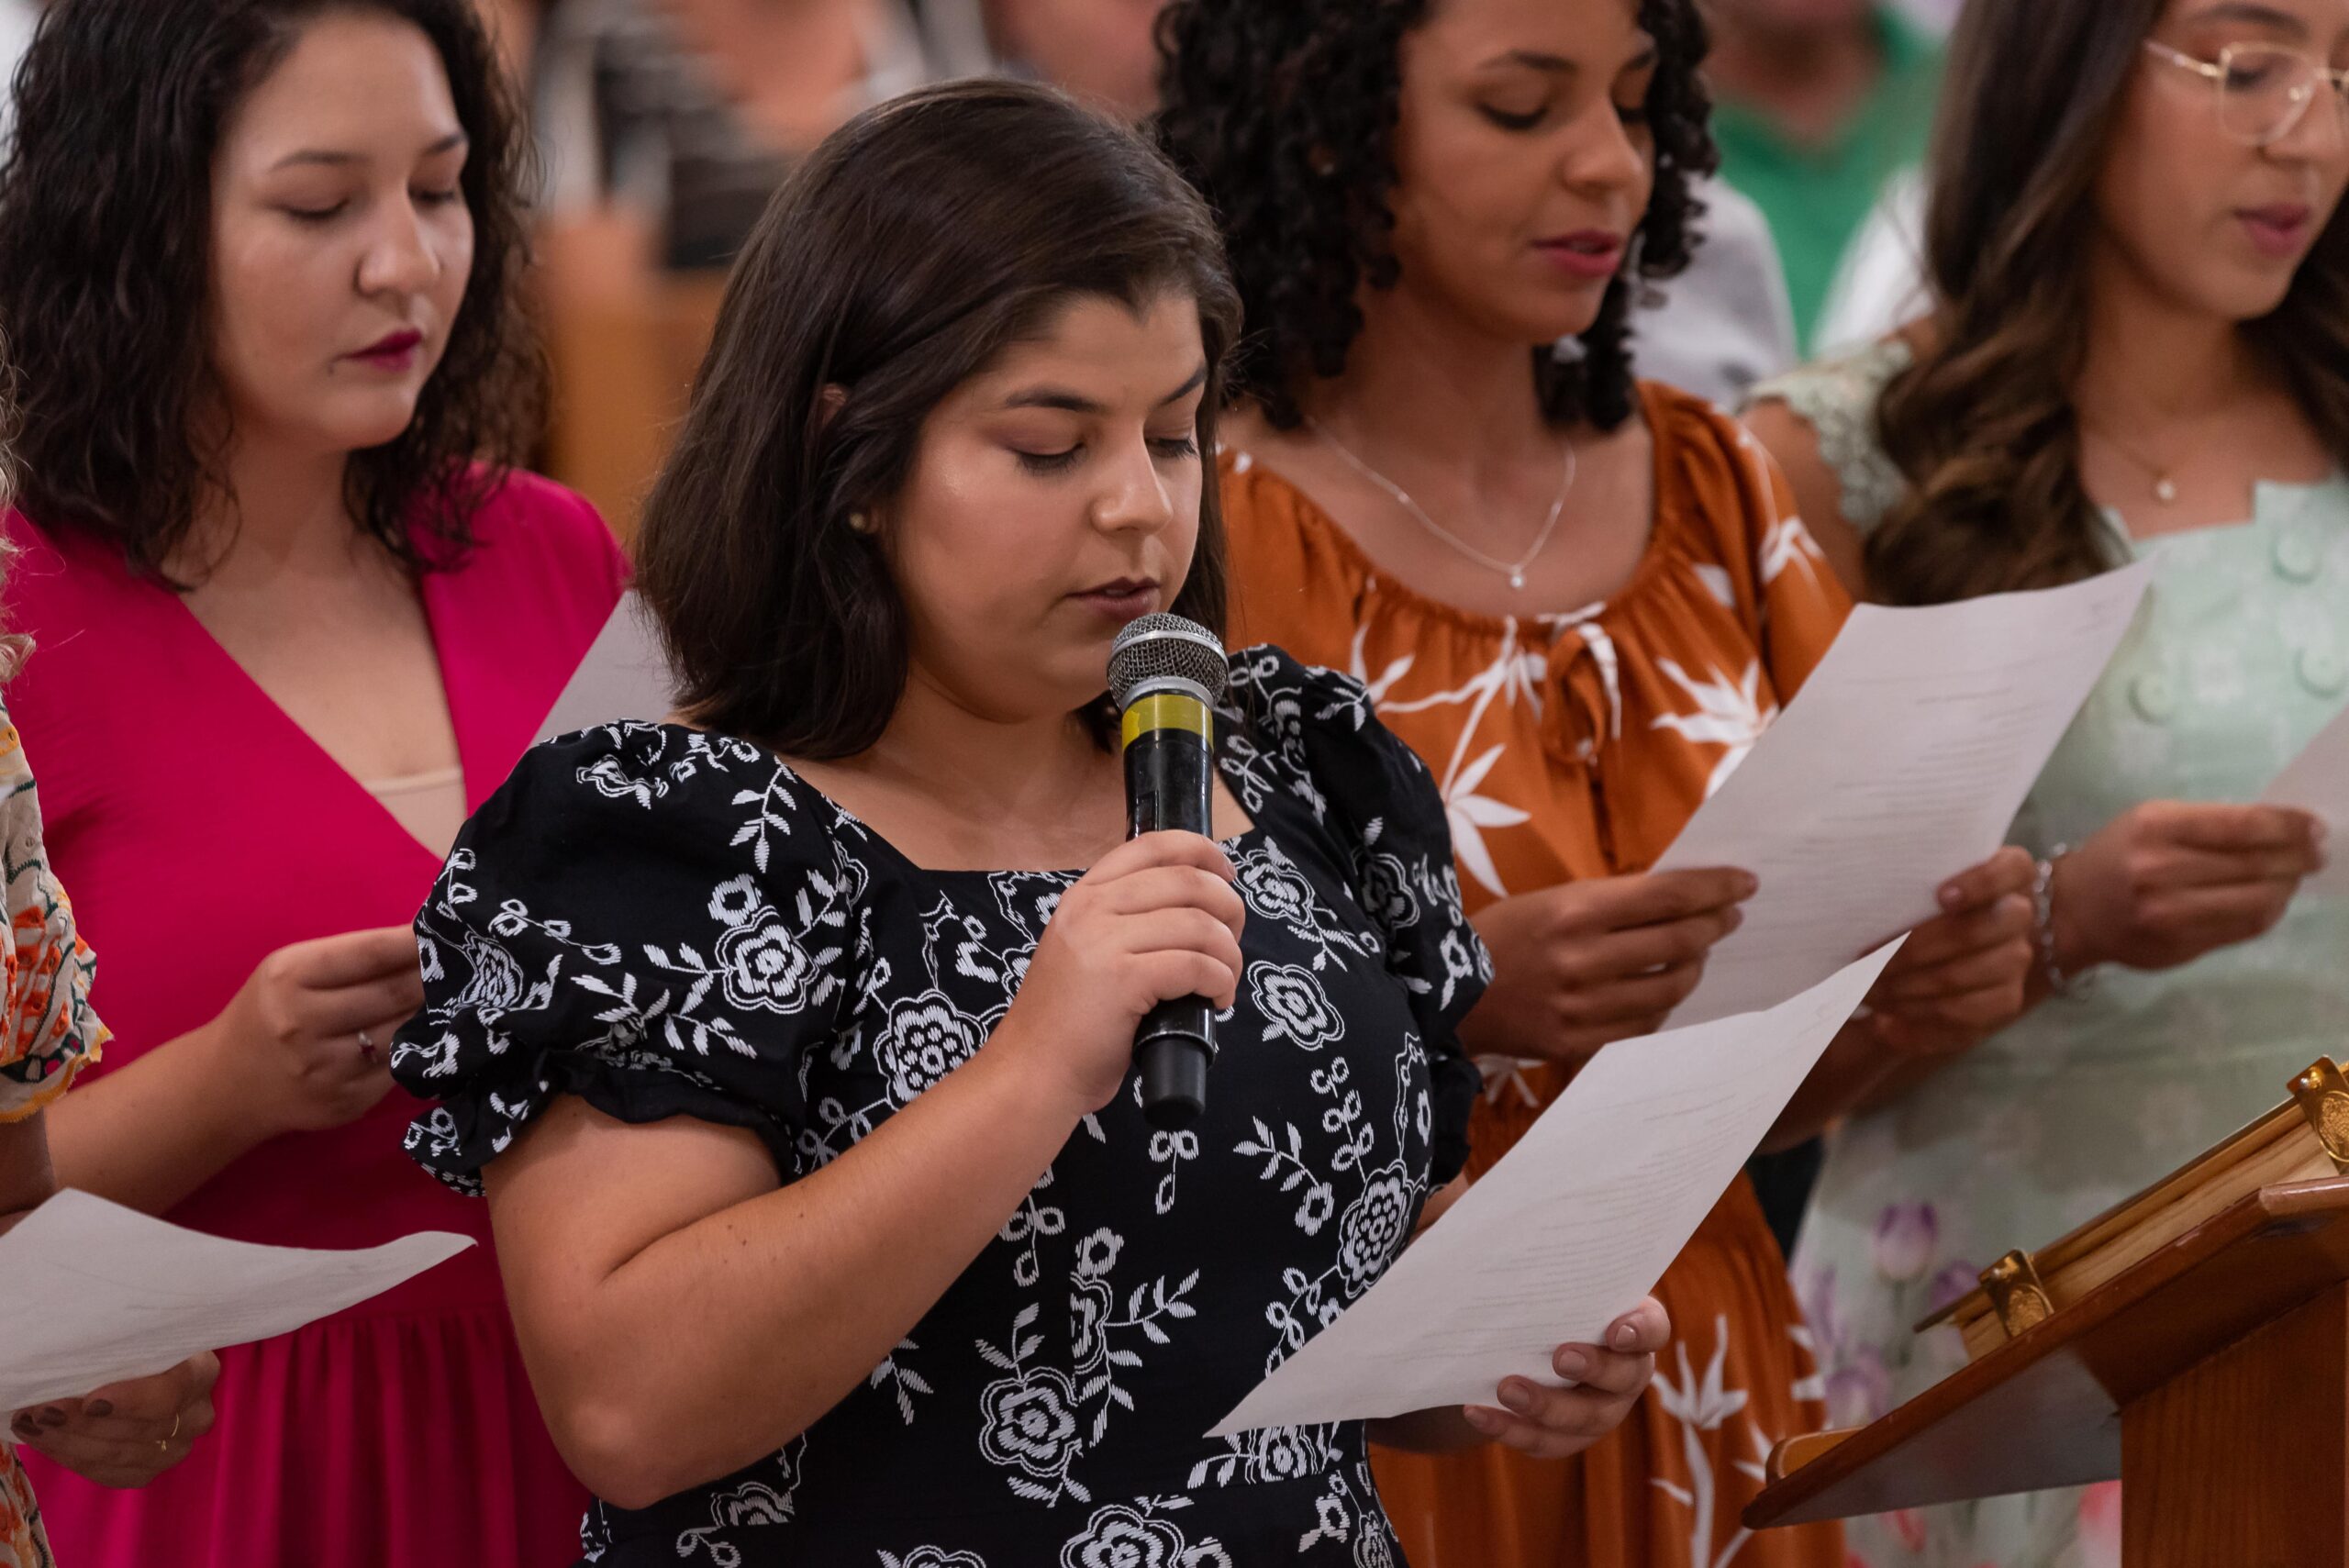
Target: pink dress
(201,829)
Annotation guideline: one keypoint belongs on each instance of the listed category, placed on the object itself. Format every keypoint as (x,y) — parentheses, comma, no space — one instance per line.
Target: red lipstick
(391,351)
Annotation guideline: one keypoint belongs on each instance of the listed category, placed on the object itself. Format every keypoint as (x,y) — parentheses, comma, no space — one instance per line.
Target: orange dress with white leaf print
(1577,745)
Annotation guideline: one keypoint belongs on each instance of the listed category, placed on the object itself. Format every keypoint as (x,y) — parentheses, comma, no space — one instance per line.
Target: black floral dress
(670,923)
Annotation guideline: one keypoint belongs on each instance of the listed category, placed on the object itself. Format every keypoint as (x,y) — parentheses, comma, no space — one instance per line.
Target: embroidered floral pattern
(773,964)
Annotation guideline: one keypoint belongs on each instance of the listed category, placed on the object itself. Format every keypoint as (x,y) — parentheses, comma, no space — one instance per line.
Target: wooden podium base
(2244,1460)
(2212,1379)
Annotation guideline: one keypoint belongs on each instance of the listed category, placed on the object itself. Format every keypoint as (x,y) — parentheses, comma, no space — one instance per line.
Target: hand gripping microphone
(1166,674)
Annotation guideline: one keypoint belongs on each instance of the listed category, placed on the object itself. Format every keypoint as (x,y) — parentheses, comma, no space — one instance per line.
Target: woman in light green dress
(2141,349)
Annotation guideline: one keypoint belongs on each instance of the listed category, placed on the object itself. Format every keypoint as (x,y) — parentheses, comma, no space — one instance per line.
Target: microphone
(1166,674)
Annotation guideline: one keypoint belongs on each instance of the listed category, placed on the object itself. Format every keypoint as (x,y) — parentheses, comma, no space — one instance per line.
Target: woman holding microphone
(790,1041)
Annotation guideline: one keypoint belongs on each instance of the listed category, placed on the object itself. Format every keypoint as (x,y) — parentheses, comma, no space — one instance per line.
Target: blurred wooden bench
(624,339)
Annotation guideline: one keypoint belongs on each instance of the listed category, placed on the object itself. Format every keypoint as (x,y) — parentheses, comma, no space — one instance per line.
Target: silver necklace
(1513,571)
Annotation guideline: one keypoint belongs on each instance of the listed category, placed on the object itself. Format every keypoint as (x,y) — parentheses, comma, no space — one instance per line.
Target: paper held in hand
(1572,1227)
(2317,781)
(92,1292)
(1900,764)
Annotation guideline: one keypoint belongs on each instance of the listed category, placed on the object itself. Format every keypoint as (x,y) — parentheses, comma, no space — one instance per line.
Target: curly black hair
(105,219)
(1284,115)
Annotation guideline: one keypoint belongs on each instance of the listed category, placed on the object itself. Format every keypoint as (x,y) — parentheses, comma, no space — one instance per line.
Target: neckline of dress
(865,829)
(1390,585)
(2273,502)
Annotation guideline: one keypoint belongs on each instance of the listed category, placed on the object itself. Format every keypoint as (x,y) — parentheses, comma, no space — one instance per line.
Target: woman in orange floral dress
(1579,598)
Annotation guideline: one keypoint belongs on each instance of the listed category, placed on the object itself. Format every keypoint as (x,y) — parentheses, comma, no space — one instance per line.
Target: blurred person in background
(1726,323)
(682,117)
(685,114)
(260,258)
(1818,104)
(1103,52)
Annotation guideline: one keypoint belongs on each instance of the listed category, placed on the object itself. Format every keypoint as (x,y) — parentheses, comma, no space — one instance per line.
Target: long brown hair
(917,244)
(1983,424)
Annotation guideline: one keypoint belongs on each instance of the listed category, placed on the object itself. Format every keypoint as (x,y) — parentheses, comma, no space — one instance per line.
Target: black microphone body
(1165,674)
(1170,773)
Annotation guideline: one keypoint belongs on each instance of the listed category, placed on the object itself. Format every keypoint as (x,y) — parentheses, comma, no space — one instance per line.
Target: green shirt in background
(1816,196)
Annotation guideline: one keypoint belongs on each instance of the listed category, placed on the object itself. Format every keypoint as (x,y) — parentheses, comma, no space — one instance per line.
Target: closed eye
(1508,121)
(1049,463)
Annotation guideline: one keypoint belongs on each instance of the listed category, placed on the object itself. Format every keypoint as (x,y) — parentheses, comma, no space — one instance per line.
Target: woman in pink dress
(257,264)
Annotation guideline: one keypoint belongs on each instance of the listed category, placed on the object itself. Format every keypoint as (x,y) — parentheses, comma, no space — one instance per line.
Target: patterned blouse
(670,923)
(49,1034)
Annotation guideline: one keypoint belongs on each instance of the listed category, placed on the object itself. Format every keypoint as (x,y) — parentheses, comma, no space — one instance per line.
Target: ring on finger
(163,1445)
(367,1046)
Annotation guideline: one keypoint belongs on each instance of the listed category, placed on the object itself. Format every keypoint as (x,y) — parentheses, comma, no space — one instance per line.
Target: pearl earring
(861,524)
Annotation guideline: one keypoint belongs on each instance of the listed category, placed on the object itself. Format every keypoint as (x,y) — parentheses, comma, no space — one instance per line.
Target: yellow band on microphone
(1169,710)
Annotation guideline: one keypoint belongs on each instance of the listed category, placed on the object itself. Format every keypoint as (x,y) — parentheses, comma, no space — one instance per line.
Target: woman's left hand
(1552,1423)
(1966,973)
(127,1434)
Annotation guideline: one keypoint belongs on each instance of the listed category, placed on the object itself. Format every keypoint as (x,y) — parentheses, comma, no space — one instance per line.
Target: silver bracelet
(2043,928)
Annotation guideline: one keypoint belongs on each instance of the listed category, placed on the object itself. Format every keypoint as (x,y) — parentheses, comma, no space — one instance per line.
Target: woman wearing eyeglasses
(2140,348)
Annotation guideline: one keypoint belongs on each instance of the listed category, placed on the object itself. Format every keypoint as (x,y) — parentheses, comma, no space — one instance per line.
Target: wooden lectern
(2211,1376)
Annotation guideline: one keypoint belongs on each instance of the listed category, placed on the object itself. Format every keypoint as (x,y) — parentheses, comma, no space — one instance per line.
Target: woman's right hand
(294,1033)
(1587,963)
(2166,882)
(1156,920)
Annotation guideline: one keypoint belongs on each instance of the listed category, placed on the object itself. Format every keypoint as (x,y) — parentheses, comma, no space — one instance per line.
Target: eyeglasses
(2264,91)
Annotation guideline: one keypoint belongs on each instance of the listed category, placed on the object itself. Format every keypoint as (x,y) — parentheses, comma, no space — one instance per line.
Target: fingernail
(1952,895)
(1572,1364)
(1750,884)
(1517,1396)
(1624,1337)
(1736,918)
(99,1408)
(1484,1420)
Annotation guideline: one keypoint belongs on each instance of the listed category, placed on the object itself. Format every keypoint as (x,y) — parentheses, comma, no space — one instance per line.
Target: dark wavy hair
(1983,423)
(105,222)
(915,246)
(1283,112)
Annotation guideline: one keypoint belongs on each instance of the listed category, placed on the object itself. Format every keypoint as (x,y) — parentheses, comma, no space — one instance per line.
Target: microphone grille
(1159,646)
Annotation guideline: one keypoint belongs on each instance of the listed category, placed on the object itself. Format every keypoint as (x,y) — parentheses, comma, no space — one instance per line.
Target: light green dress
(2240,656)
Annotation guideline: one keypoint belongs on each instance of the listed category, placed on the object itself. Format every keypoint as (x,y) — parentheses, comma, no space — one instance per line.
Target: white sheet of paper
(625,674)
(2316,780)
(92,1292)
(1572,1227)
(1901,762)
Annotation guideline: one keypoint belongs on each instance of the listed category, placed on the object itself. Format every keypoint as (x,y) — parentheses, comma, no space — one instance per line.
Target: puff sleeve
(657,920)
(1376,798)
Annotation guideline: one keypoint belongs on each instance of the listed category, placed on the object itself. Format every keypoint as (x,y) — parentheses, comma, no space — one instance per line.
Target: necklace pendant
(1517,579)
(2164,490)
